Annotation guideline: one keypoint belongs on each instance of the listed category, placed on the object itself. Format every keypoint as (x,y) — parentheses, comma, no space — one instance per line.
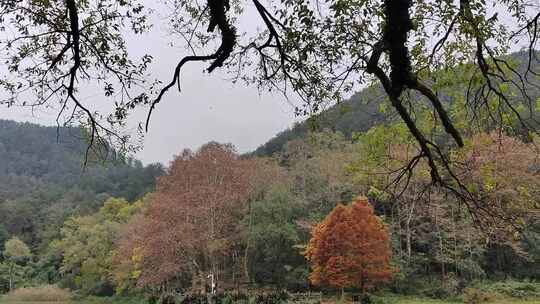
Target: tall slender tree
(16,252)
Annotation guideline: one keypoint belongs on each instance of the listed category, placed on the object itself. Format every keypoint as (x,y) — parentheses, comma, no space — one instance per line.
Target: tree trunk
(246,252)
(455,241)
(400,232)
(408,231)
(11,266)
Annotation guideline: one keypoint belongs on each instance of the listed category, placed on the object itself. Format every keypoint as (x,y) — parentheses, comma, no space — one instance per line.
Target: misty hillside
(41,173)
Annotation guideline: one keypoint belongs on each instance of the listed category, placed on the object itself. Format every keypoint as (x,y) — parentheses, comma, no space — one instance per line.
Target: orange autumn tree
(350,248)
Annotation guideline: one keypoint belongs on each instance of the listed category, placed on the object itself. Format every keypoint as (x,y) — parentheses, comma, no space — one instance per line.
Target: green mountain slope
(357,114)
(362,111)
(42,180)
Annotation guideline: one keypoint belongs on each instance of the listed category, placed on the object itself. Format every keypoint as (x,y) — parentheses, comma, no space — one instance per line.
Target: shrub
(434,288)
(132,299)
(228,298)
(438,289)
(476,296)
(383,300)
(514,289)
(45,293)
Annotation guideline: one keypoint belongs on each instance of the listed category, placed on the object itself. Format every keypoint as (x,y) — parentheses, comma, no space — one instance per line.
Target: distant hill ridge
(42,181)
(357,114)
(35,156)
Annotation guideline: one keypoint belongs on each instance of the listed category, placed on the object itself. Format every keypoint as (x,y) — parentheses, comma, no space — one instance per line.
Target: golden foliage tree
(350,248)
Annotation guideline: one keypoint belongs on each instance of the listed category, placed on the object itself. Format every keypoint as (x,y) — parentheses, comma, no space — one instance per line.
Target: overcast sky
(208,108)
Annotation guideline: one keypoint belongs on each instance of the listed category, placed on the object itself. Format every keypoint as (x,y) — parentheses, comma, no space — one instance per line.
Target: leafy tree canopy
(16,250)
(350,248)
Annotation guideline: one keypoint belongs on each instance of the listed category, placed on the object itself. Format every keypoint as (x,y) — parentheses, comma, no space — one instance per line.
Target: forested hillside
(332,205)
(425,184)
(42,180)
(370,107)
(356,114)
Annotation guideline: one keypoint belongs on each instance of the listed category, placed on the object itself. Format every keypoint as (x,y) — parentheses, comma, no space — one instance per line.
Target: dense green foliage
(43,182)
(440,145)
(87,230)
(437,249)
(86,246)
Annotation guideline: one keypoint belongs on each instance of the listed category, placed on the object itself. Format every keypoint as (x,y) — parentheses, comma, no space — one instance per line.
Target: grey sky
(208,108)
